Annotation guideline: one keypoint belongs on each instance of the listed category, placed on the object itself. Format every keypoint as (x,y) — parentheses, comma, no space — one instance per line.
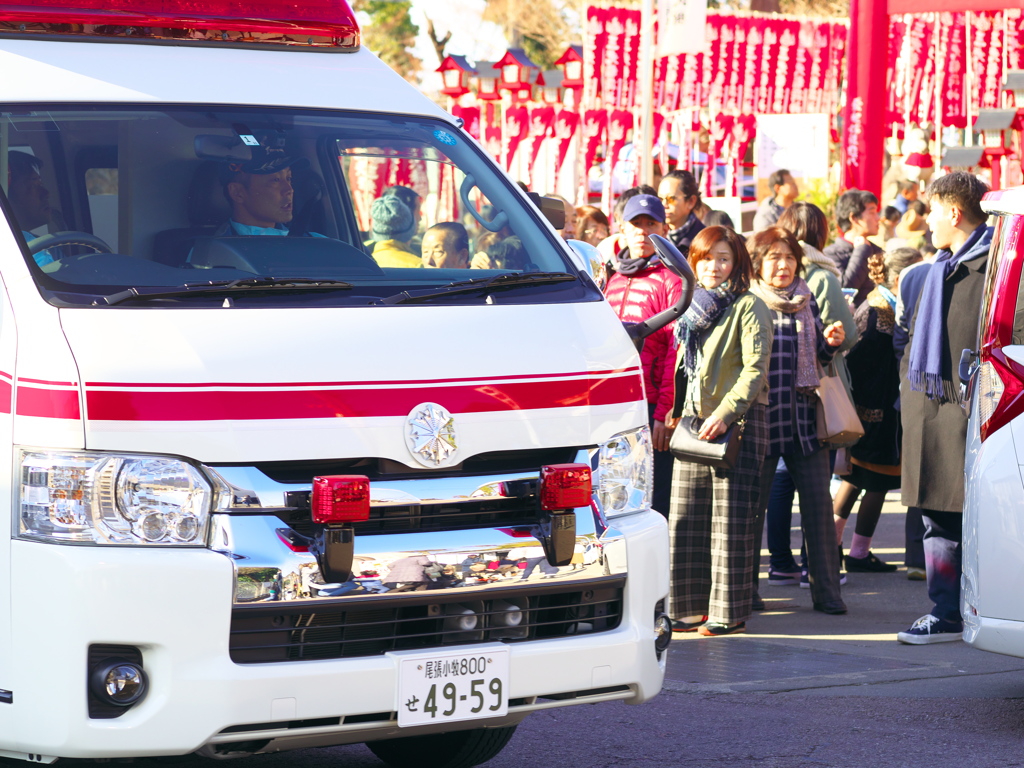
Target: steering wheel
(69,237)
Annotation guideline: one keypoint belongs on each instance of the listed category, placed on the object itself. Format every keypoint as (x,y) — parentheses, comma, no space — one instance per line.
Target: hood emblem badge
(430,434)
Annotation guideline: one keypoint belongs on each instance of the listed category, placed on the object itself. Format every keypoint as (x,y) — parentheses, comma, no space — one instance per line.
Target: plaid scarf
(796,300)
(703,312)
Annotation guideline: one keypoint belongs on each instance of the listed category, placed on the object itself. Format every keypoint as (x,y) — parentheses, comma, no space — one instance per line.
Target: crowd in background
(875,301)
(797,300)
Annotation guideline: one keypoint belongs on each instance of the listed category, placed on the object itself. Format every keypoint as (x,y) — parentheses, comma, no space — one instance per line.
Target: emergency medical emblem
(431,435)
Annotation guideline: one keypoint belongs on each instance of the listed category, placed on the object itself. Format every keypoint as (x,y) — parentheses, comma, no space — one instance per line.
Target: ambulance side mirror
(551,208)
(677,264)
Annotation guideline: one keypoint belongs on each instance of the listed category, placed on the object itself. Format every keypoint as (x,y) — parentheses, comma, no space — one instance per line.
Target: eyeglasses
(669,199)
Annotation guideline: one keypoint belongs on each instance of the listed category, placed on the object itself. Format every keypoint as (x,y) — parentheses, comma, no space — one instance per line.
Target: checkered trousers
(711,536)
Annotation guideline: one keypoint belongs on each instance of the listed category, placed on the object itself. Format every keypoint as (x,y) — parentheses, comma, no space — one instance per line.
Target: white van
(991,603)
(265,493)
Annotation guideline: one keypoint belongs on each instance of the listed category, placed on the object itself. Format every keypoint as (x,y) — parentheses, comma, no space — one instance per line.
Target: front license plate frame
(424,695)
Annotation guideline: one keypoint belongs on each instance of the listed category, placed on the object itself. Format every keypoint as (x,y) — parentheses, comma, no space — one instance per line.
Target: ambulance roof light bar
(324,25)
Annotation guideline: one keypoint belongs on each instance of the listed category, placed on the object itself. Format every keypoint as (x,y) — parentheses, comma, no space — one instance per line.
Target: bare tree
(537,26)
(439,45)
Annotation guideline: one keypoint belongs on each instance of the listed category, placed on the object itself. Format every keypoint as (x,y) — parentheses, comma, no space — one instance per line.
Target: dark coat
(934,433)
(853,263)
(875,378)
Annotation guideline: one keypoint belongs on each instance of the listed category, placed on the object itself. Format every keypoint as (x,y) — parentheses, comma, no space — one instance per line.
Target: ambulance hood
(234,385)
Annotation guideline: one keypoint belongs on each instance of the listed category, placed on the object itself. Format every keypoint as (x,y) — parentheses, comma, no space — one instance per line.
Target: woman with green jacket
(722,379)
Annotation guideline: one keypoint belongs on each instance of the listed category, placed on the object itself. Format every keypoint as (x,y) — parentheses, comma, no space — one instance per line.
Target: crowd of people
(881,299)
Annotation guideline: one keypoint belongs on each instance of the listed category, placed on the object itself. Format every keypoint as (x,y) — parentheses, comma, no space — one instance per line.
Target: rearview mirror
(210,146)
(677,265)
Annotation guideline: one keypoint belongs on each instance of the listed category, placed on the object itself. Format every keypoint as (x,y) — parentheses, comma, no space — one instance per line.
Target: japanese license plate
(446,686)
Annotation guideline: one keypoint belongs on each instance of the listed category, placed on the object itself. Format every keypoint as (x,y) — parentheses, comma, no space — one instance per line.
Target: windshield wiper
(222,286)
(483,284)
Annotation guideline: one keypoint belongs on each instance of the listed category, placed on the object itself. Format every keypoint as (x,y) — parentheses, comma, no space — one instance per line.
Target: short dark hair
(851,205)
(687,183)
(807,222)
(719,219)
(962,189)
(759,244)
(620,204)
(456,229)
(22,164)
(918,207)
(905,185)
(707,239)
(778,178)
(509,254)
(891,213)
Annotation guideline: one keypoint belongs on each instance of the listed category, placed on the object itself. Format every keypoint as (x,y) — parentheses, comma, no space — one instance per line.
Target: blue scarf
(703,312)
(888,296)
(926,372)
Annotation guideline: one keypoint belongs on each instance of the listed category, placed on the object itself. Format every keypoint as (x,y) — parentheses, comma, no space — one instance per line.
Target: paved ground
(800,689)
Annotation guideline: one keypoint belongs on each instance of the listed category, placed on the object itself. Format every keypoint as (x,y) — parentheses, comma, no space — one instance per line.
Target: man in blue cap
(639,288)
(260,192)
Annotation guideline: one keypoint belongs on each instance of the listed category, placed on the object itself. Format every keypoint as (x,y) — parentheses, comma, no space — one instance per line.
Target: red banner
(595,126)
(517,125)
(541,119)
(562,131)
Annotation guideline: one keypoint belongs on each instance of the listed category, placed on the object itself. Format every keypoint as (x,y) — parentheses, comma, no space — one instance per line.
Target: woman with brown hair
(800,346)
(592,225)
(725,338)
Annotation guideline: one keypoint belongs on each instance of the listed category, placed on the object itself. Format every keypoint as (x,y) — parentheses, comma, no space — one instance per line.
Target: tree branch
(439,45)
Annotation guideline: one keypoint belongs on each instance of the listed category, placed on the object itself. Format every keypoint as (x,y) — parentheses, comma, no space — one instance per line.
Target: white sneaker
(931,629)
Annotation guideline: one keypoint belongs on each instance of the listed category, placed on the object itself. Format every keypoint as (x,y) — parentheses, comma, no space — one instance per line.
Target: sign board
(798,143)
(681,26)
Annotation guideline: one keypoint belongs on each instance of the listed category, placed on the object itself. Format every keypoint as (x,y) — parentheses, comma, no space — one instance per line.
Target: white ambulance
(270,484)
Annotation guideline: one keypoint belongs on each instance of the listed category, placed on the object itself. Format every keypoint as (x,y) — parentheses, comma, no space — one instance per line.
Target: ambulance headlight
(94,498)
(623,473)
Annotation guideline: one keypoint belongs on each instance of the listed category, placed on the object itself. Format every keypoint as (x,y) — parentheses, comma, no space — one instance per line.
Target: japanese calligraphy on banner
(745,64)
(914,82)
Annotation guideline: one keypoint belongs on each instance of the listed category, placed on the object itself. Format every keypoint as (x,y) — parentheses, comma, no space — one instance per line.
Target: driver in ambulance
(29,199)
(260,193)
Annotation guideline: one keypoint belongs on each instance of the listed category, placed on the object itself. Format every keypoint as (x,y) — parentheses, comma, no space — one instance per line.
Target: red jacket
(640,297)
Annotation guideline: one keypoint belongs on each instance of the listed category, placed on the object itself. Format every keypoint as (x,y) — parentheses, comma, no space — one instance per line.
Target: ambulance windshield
(169,206)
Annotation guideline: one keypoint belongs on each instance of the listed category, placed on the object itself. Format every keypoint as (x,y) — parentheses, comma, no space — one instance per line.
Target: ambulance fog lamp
(118,682)
(623,468)
(95,498)
(564,486)
(662,633)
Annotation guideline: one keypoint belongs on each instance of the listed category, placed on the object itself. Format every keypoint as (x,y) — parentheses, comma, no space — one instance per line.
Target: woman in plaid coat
(799,348)
(725,341)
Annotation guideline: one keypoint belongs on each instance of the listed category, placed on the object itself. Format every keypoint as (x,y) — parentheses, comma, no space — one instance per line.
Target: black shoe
(869,564)
(756,603)
(832,607)
(683,626)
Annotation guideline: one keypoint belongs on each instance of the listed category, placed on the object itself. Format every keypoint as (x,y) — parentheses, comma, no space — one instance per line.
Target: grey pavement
(799,689)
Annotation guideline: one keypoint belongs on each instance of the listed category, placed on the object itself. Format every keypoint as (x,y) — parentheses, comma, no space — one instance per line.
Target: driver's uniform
(43,257)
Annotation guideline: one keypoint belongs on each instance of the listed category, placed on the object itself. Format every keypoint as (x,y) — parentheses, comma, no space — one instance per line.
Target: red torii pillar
(866,60)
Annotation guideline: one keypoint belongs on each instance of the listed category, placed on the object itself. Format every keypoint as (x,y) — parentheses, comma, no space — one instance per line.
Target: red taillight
(999,387)
(341,499)
(311,23)
(564,486)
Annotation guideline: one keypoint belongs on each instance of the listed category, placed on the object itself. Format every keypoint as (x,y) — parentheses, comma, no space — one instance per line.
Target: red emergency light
(564,486)
(340,499)
(320,24)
